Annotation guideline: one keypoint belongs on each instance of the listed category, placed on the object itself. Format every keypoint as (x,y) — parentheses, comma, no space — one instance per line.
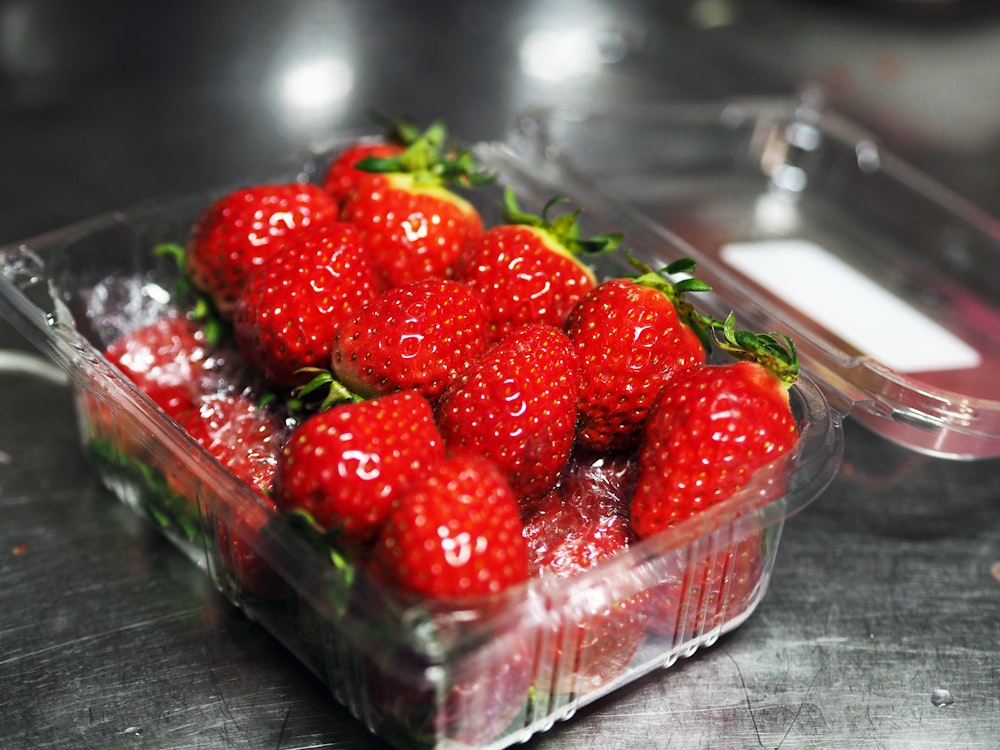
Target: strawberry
(342,176)
(573,528)
(631,335)
(713,426)
(169,359)
(412,222)
(697,596)
(287,316)
(177,361)
(583,519)
(453,534)
(517,406)
(240,230)
(416,336)
(344,466)
(528,269)
(246,439)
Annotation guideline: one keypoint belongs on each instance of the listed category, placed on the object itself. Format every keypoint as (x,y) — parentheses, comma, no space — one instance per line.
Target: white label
(851,305)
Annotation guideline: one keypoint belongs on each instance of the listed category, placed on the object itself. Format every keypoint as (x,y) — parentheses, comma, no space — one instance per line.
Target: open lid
(888,283)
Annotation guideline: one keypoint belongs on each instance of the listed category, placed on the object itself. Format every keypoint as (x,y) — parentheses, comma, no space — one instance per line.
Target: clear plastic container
(487,673)
(887,282)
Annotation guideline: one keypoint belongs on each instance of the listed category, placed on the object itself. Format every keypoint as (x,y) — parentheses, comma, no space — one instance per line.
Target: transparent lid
(805,223)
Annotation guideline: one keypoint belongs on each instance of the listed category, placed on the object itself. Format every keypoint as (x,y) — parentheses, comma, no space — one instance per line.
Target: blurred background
(880,627)
(104,103)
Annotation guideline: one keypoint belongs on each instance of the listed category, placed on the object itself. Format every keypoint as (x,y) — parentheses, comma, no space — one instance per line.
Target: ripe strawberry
(412,222)
(528,269)
(243,228)
(575,527)
(342,175)
(711,429)
(246,439)
(632,336)
(455,533)
(344,466)
(698,596)
(287,316)
(584,519)
(169,359)
(516,405)
(416,336)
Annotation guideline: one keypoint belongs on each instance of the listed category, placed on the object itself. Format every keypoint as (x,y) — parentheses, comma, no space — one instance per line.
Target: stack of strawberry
(464,407)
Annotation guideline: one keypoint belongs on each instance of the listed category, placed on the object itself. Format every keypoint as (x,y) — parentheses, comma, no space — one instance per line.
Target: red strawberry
(584,519)
(243,228)
(455,533)
(698,596)
(516,405)
(419,335)
(342,175)
(287,316)
(243,436)
(528,269)
(412,222)
(575,527)
(168,359)
(631,336)
(711,429)
(246,439)
(344,466)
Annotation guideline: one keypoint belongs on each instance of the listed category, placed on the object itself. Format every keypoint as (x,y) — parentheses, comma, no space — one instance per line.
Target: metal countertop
(881,627)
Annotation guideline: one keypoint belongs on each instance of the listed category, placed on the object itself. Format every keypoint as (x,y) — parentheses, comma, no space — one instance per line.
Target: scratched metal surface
(882,625)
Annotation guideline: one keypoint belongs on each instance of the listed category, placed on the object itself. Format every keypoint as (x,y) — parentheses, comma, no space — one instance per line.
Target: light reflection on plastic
(317,85)
(789,177)
(553,55)
(776,213)
(868,157)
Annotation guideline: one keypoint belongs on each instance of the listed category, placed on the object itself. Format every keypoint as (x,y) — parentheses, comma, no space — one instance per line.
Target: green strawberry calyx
(774,351)
(563,229)
(333,544)
(201,306)
(430,157)
(675,289)
(322,384)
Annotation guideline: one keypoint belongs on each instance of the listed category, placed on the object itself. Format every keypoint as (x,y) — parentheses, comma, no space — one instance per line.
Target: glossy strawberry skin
(417,336)
(577,526)
(630,342)
(711,429)
(525,277)
(517,406)
(342,176)
(345,466)
(243,228)
(456,533)
(291,307)
(411,230)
